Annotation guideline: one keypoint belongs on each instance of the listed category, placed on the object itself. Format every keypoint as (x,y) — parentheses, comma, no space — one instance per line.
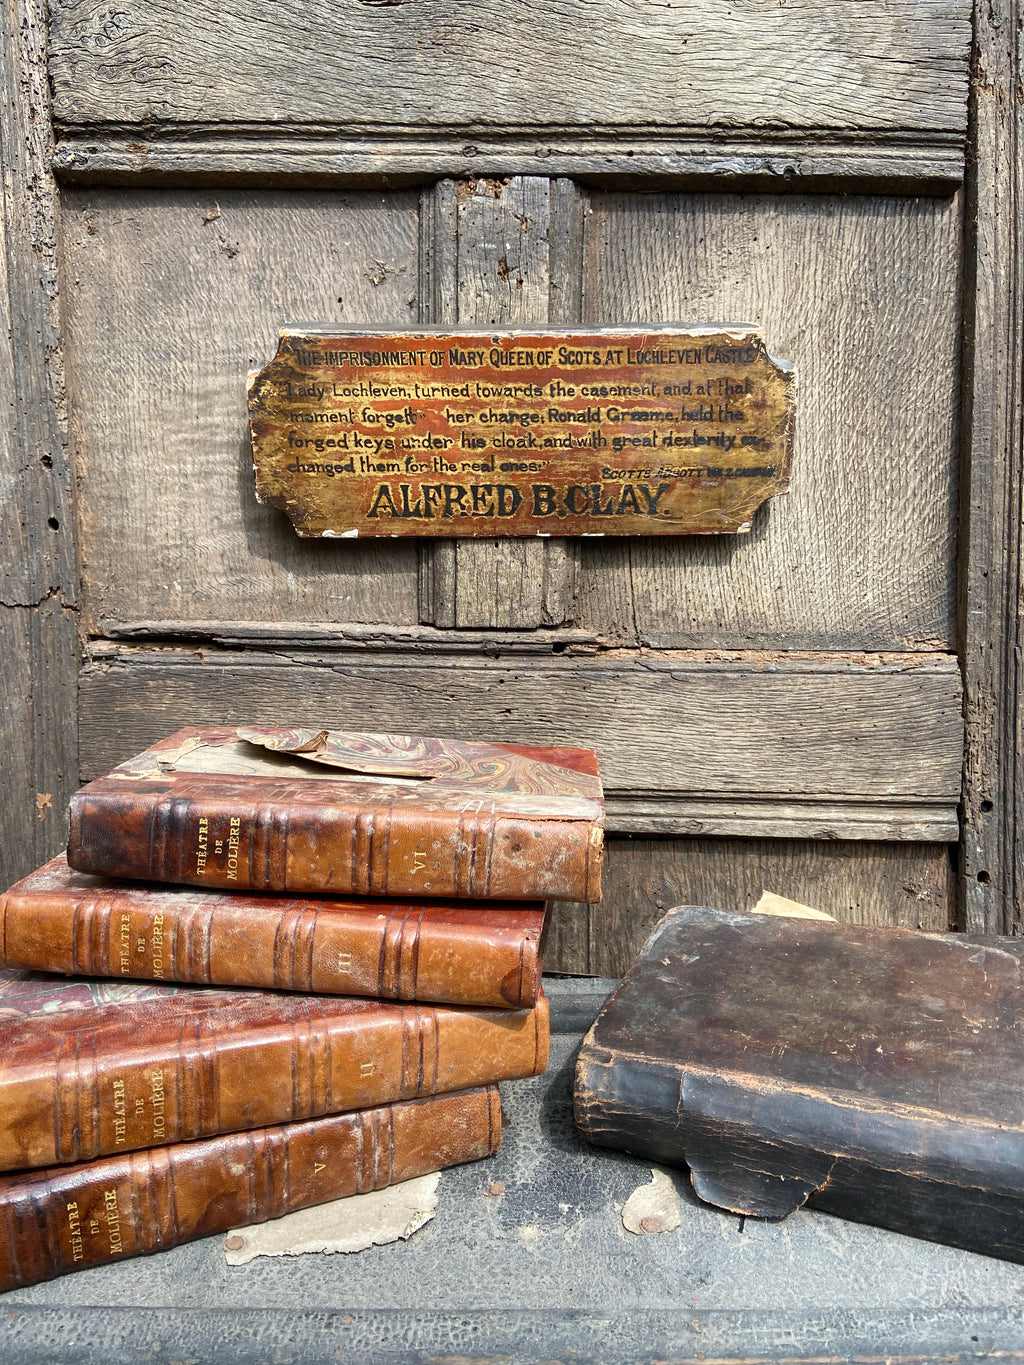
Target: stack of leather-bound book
(359,918)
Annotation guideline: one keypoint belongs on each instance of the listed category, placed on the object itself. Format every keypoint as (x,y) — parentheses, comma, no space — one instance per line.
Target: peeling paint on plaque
(668,430)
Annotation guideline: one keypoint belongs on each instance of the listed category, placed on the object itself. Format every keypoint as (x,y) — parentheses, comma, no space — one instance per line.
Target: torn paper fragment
(652,1208)
(353,1224)
(771,904)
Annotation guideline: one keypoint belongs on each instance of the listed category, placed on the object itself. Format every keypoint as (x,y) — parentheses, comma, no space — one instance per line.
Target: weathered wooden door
(778,710)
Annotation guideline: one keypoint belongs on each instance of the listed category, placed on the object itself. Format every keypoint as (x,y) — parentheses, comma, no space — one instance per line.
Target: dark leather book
(92,1067)
(304,811)
(71,1217)
(462,953)
(874,1073)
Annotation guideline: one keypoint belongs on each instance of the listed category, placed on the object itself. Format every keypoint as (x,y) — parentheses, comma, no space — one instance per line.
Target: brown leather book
(96,1067)
(464,953)
(251,809)
(71,1217)
(873,1073)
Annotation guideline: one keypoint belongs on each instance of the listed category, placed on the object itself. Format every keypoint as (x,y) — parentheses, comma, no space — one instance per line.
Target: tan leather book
(462,953)
(71,1217)
(334,811)
(90,1068)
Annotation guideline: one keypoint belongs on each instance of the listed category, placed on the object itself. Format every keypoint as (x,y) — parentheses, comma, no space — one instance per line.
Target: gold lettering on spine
(157,1097)
(75,1228)
(119,1112)
(234,831)
(203,842)
(125,941)
(113,1221)
(158,946)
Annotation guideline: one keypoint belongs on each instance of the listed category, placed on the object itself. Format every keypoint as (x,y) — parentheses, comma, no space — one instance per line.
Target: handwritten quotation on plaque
(660,431)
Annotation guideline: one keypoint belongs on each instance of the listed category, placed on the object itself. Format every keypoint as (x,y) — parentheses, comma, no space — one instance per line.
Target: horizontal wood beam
(773,816)
(885,65)
(853,747)
(357,635)
(640,158)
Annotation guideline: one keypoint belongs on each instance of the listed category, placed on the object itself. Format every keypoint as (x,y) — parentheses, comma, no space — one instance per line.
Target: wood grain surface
(38,632)
(811,64)
(774,160)
(859,555)
(992,861)
(509,254)
(858,883)
(171,298)
(862,294)
(831,732)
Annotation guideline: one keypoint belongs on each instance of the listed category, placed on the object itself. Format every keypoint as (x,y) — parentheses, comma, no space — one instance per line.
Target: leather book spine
(72,1217)
(719,1125)
(309,846)
(160,1074)
(765,1149)
(628,1103)
(393,952)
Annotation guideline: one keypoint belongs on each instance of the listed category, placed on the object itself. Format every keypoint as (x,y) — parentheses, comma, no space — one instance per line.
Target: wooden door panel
(911,885)
(865,540)
(507,253)
(459,63)
(171,297)
(863,748)
(681,661)
(38,583)
(693,86)
(863,295)
(38,723)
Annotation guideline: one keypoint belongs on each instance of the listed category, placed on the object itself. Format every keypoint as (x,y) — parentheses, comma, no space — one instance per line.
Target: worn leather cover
(464,953)
(89,1068)
(874,1073)
(260,809)
(71,1217)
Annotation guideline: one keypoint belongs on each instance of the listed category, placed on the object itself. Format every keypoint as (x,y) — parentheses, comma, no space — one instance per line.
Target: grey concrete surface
(540,1272)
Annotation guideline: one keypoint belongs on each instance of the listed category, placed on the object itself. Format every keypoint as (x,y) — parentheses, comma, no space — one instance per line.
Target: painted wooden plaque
(665,430)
